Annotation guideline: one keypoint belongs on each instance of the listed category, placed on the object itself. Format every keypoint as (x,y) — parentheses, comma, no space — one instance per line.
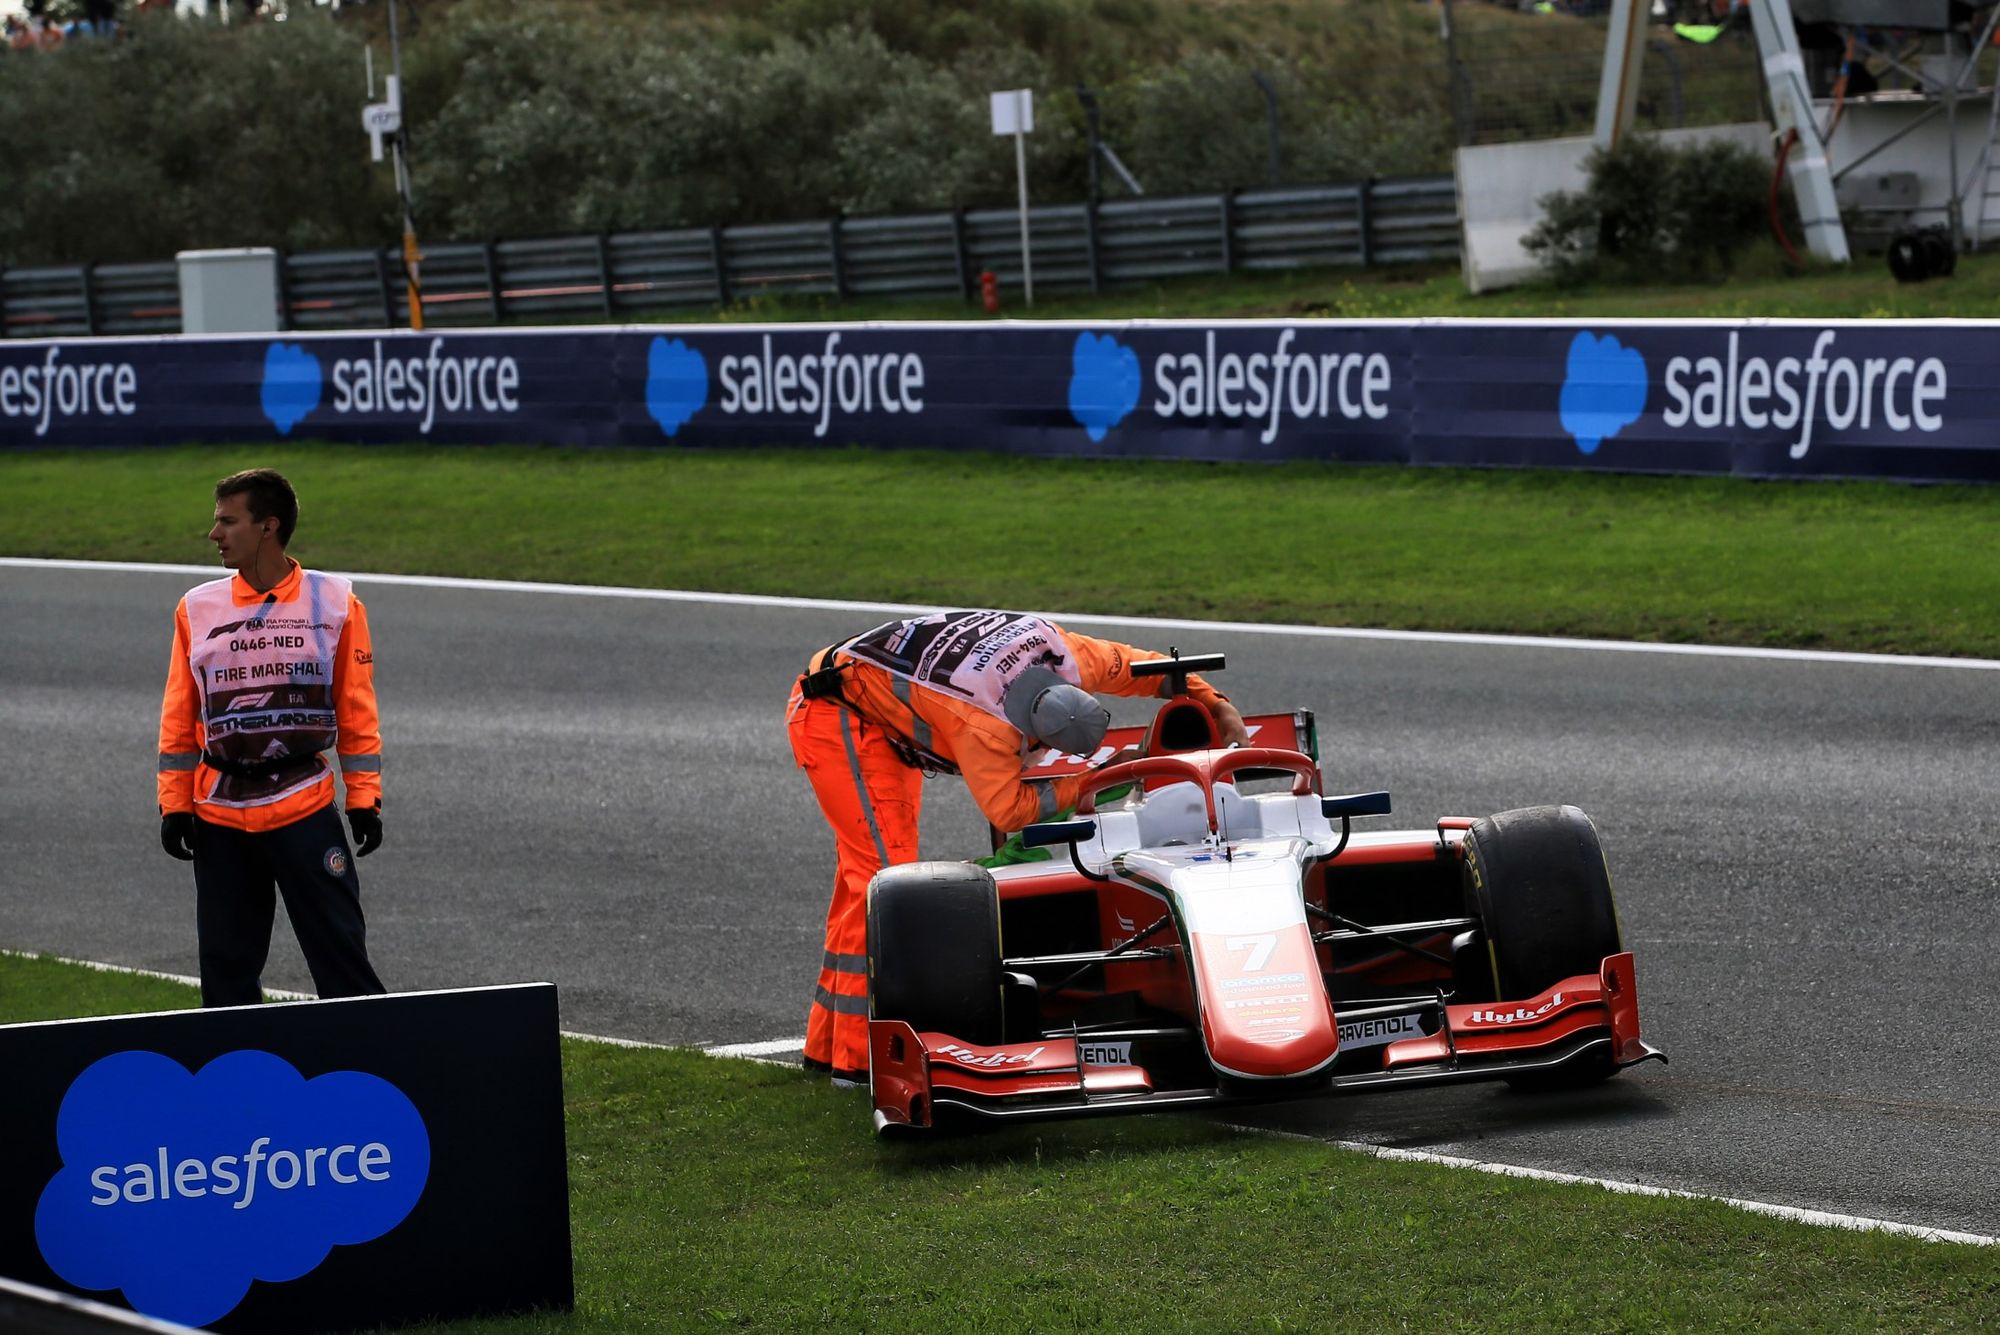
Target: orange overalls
(853,748)
(259,686)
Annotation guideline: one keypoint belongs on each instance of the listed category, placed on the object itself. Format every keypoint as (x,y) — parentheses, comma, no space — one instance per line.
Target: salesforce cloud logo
(676,383)
(1604,389)
(1103,383)
(180,1189)
(291,385)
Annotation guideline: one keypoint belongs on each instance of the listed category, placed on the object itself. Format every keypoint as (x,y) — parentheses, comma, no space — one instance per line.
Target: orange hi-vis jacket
(258,685)
(987,750)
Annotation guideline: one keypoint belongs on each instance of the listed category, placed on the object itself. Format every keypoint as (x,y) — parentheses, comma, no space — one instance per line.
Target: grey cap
(1047,708)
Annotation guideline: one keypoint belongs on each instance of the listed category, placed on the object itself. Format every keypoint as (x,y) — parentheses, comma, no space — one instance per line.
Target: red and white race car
(1211,930)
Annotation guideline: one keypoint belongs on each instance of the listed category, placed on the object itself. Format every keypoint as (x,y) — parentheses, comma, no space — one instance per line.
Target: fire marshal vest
(266,676)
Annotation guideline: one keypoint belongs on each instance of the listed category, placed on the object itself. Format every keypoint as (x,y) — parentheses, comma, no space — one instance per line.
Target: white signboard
(1014,111)
(382,118)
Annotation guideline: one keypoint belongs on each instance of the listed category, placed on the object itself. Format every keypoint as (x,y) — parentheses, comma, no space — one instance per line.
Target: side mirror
(1354,804)
(1058,832)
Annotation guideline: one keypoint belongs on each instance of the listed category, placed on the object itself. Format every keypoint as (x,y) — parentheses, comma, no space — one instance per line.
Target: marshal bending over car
(1211,931)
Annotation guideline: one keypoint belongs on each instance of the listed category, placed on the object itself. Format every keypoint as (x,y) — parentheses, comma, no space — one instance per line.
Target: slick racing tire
(934,949)
(1536,878)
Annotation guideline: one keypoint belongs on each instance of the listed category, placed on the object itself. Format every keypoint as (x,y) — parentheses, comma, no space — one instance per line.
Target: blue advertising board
(1907,400)
(313,1166)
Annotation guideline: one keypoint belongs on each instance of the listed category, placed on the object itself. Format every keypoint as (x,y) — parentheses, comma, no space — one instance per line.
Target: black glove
(367,827)
(177,834)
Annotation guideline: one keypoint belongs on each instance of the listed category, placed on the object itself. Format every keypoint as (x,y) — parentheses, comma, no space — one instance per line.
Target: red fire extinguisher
(989,292)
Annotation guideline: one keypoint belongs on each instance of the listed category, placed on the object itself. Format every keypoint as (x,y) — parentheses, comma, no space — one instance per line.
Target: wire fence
(1512,79)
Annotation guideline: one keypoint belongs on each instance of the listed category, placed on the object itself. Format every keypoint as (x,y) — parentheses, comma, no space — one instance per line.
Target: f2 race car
(1212,930)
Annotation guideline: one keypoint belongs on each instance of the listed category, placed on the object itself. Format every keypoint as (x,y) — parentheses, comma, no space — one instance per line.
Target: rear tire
(934,950)
(1536,878)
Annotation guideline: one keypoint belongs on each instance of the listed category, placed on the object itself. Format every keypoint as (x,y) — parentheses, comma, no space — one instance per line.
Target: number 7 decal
(1260,948)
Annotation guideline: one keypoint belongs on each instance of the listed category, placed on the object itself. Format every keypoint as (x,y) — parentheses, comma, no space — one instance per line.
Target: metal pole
(1955,217)
(413,282)
(1792,110)
(1271,123)
(1090,129)
(1021,173)
(1618,85)
(1461,109)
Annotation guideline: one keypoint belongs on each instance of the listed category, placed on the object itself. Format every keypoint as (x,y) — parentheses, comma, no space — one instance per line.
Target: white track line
(1820,1218)
(765,1049)
(1158,623)
(280,994)
(768,1048)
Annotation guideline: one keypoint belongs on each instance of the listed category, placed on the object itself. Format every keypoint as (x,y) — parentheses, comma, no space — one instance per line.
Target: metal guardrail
(1075,248)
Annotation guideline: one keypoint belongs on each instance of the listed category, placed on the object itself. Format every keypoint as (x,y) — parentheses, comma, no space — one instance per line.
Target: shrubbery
(1655,213)
(169,139)
(531,118)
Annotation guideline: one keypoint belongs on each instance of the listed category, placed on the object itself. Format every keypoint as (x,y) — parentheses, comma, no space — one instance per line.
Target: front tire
(934,950)
(1537,879)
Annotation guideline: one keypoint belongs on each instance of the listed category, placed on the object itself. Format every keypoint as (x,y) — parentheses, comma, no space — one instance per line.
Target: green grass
(712,1194)
(1862,566)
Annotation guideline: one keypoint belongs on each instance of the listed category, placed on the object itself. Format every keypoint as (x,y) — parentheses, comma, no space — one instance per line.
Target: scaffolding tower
(1877,147)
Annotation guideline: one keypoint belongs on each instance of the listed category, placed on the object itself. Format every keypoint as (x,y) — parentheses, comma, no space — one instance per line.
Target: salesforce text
(72,389)
(810,384)
(1902,389)
(1194,385)
(425,384)
(283,1169)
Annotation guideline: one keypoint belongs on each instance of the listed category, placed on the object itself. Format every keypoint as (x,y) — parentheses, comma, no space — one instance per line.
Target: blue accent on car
(1355,804)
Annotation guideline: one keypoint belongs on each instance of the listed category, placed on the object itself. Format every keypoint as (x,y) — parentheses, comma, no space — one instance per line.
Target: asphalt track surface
(597,791)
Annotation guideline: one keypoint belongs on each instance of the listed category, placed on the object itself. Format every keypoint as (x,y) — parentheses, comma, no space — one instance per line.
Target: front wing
(918,1077)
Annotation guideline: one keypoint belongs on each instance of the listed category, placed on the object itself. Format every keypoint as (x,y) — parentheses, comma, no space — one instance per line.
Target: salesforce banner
(1888,399)
(317,1166)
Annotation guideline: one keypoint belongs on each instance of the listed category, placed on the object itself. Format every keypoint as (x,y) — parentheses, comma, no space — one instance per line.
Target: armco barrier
(1889,399)
(1074,248)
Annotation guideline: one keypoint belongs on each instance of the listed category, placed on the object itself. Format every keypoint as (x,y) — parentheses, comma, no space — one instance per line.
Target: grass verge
(717,1194)
(1861,566)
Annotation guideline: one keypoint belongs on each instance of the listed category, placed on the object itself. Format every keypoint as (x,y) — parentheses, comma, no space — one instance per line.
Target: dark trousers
(310,863)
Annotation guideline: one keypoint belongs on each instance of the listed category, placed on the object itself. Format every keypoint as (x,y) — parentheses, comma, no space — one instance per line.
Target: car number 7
(1260,948)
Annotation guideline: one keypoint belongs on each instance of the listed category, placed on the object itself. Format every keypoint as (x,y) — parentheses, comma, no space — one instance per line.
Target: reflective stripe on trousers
(870,800)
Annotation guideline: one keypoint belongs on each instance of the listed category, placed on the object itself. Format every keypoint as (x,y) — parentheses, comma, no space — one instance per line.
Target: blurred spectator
(100,18)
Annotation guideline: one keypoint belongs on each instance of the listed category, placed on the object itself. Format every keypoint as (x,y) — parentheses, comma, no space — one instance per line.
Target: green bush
(543,117)
(1655,213)
(169,139)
